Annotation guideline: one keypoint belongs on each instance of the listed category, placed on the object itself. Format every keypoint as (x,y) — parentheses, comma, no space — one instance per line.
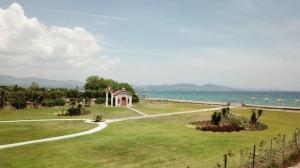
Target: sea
(268,98)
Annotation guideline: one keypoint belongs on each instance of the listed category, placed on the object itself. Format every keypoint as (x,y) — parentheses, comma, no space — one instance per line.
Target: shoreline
(223,103)
(185,101)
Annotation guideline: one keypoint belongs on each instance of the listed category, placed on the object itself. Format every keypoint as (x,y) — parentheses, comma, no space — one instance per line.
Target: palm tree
(259,113)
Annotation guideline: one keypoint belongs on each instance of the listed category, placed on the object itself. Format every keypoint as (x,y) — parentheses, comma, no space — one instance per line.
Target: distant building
(119,98)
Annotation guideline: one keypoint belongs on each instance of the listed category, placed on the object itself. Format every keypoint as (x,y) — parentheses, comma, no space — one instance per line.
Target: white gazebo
(119,98)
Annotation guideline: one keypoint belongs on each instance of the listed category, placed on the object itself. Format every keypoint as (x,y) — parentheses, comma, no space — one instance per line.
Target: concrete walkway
(101,126)
(137,111)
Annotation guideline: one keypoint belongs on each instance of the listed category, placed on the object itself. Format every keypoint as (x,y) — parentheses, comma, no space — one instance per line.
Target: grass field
(154,143)
(49,113)
(25,131)
(156,107)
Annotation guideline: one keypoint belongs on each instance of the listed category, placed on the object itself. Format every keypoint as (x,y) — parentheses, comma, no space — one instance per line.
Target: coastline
(223,103)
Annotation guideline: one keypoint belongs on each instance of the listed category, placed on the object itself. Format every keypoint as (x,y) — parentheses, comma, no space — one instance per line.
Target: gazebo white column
(130,101)
(116,101)
(111,100)
(106,100)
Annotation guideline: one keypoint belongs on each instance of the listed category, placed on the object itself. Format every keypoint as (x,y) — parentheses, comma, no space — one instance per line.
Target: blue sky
(238,43)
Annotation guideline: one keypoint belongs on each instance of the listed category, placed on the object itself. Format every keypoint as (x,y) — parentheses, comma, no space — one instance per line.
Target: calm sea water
(262,98)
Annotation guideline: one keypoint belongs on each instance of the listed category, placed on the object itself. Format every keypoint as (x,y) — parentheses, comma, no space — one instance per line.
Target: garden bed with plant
(75,109)
(225,121)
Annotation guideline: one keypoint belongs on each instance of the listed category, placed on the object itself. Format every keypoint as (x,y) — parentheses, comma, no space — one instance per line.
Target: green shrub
(135,99)
(53,102)
(100,100)
(258,127)
(72,111)
(98,118)
(75,111)
(48,102)
(226,113)
(59,102)
(240,121)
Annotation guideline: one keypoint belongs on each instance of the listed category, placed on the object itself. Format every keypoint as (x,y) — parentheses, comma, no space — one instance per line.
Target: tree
(73,93)
(2,95)
(34,86)
(95,83)
(18,100)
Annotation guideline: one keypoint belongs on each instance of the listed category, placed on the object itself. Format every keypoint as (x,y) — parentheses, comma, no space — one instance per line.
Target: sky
(236,43)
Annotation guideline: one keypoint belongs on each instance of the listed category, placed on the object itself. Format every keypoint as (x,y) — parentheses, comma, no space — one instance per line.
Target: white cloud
(28,47)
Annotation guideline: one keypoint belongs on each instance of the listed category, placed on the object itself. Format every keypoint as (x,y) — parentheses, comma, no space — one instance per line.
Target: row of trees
(95,87)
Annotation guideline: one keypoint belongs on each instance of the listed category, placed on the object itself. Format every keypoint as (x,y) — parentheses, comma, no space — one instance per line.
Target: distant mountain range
(26,82)
(49,83)
(183,87)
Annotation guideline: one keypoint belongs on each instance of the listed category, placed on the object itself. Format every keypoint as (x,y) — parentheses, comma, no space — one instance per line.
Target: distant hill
(26,82)
(183,87)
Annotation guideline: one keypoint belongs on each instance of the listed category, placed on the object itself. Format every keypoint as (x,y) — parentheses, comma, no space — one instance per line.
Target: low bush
(53,102)
(48,102)
(226,113)
(59,102)
(258,127)
(100,100)
(98,118)
(75,111)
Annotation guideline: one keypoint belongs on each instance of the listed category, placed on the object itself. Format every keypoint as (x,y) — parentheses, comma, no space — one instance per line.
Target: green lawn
(156,107)
(154,143)
(24,131)
(48,113)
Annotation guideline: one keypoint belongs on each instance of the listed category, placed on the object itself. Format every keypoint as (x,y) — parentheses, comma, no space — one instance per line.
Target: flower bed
(226,122)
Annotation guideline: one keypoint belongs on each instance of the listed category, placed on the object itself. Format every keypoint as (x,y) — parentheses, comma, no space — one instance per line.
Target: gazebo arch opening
(119,98)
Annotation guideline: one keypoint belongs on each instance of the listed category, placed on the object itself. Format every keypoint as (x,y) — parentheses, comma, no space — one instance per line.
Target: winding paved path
(101,125)
(137,111)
